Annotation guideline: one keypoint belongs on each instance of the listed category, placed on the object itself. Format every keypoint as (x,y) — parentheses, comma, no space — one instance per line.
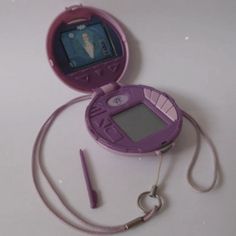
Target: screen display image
(86,45)
(139,122)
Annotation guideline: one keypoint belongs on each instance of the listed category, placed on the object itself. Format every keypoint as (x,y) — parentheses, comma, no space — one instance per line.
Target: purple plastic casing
(102,108)
(96,75)
(101,78)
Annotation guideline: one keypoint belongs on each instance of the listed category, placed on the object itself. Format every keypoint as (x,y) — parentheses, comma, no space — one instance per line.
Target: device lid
(87,48)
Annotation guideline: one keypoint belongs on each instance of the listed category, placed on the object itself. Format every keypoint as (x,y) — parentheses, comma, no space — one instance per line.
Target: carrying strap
(38,165)
(200,133)
(89,227)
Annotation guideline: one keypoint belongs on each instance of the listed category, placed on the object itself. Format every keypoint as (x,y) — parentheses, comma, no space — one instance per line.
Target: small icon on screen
(71,35)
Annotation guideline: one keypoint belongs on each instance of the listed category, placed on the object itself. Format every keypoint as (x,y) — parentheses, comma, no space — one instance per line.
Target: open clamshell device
(89,52)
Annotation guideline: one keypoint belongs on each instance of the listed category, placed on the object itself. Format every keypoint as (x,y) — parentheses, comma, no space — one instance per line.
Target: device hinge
(106,88)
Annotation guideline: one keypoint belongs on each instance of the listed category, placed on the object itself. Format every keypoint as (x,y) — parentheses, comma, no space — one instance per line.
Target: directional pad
(113,134)
(99,72)
(102,123)
(114,67)
(95,111)
(83,77)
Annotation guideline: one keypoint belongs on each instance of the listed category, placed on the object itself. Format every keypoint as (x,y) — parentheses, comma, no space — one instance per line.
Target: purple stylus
(91,192)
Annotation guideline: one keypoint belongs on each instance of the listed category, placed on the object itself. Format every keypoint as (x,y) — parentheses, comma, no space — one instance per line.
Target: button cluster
(98,71)
(104,124)
(161,102)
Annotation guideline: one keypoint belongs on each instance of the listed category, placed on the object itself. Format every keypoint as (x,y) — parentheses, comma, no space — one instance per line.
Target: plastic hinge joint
(106,89)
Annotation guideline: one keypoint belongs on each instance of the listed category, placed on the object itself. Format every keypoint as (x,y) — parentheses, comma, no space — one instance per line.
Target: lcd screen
(139,122)
(86,45)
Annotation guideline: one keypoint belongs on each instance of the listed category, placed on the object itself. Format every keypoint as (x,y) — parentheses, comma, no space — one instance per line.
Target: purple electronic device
(88,50)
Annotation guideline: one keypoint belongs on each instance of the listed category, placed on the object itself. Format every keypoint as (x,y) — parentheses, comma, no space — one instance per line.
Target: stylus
(91,192)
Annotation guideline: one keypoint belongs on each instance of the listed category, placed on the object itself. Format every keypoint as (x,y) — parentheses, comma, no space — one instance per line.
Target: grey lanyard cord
(200,133)
(38,165)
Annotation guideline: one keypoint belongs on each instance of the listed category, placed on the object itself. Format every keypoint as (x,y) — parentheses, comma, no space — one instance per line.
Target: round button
(118,100)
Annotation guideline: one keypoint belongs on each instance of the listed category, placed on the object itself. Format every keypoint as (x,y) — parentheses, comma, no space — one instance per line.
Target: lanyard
(89,227)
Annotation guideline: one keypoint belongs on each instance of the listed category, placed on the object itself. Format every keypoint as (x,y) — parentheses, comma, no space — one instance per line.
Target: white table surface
(183,47)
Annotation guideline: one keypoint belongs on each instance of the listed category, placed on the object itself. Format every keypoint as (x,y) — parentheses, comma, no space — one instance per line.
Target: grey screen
(138,122)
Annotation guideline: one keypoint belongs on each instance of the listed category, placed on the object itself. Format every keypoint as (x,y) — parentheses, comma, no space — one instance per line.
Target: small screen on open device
(139,122)
(86,45)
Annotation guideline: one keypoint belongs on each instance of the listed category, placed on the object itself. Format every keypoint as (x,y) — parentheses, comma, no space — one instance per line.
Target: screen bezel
(108,37)
(60,52)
